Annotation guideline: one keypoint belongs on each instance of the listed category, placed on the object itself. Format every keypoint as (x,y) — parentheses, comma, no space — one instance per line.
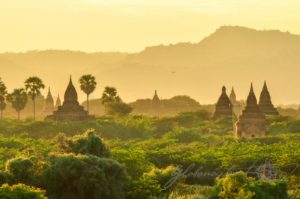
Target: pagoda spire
(71,93)
(265,102)
(58,101)
(223,106)
(156,104)
(233,96)
(251,99)
(49,104)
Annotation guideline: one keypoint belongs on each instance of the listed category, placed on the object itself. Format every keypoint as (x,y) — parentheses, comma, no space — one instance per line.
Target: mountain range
(231,56)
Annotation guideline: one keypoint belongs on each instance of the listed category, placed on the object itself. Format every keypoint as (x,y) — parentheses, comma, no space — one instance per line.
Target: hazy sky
(130,25)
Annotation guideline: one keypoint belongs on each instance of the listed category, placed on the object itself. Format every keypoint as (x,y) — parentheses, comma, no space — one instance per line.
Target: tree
(84,176)
(3,93)
(88,143)
(118,109)
(113,103)
(87,85)
(22,169)
(33,86)
(110,95)
(18,99)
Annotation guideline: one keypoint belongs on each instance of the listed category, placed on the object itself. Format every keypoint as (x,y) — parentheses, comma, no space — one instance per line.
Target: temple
(155,105)
(265,103)
(58,102)
(232,96)
(235,104)
(252,122)
(49,104)
(223,106)
(70,110)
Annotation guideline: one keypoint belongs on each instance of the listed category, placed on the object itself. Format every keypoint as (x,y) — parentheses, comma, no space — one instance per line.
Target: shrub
(88,143)
(84,176)
(22,169)
(21,191)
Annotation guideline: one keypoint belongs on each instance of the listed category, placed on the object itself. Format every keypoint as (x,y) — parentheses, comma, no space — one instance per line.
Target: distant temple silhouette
(252,121)
(236,106)
(155,105)
(265,103)
(49,104)
(58,102)
(70,110)
(223,106)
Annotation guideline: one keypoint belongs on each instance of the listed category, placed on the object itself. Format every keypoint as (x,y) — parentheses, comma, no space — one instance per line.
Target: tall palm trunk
(33,109)
(18,115)
(87,103)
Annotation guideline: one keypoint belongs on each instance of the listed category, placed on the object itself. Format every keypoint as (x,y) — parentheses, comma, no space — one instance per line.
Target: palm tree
(87,85)
(3,93)
(18,100)
(33,86)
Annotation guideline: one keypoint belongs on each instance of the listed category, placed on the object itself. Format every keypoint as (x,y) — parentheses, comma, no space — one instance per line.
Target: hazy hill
(233,56)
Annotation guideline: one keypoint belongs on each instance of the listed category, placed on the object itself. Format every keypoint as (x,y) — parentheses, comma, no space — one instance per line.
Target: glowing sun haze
(131,25)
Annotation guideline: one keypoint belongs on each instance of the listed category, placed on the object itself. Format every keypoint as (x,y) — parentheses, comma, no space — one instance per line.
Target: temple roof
(252,109)
(49,98)
(265,102)
(58,102)
(233,96)
(224,99)
(70,94)
(265,97)
(155,97)
(251,99)
(223,106)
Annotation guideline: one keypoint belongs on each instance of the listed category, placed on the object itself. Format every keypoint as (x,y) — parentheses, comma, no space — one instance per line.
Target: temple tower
(155,105)
(265,103)
(252,121)
(223,106)
(58,102)
(49,104)
(235,104)
(70,110)
(233,97)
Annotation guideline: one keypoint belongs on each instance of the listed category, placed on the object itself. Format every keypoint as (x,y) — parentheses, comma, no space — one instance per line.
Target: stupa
(49,104)
(265,103)
(58,102)
(155,105)
(235,104)
(252,121)
(223,106)
(70,110)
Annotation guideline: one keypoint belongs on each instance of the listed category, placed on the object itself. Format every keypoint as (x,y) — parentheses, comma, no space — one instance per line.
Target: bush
(239,186)
(84,176)
(22,169)
(88,143)
(21,191)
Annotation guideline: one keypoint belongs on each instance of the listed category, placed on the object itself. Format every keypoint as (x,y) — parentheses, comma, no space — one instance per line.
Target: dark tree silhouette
(113,103)
(18,100)
(87,85)
(110,95)
(33,86)
(3,93)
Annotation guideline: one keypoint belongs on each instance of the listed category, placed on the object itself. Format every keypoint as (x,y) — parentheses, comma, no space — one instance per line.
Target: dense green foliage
(21,191)
(141,157)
